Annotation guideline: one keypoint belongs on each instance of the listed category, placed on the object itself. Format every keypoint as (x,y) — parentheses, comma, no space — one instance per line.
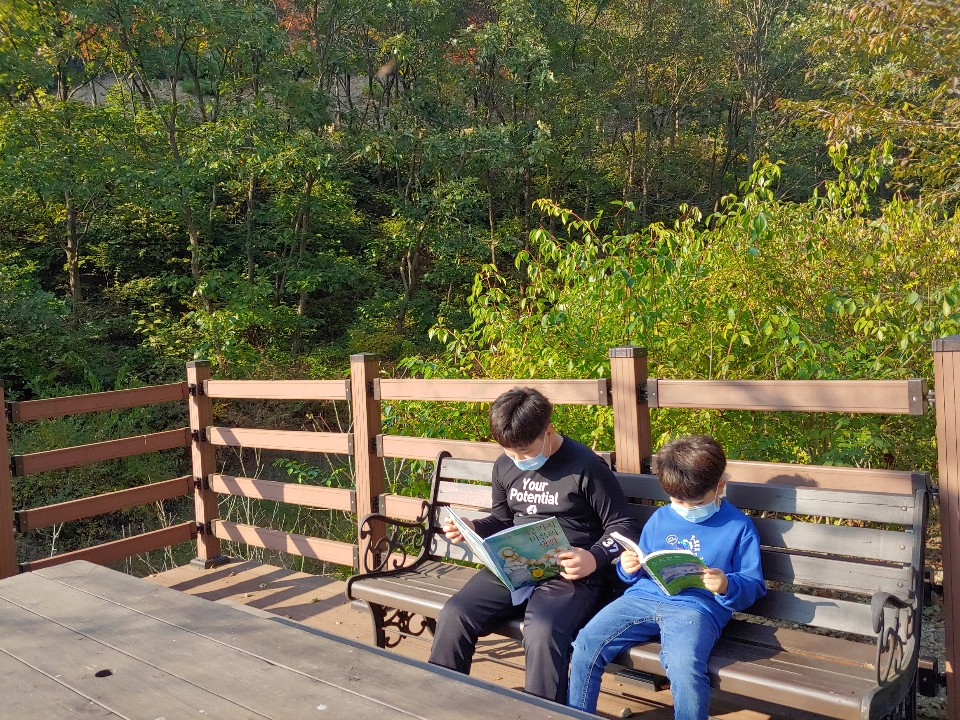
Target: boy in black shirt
(540,474)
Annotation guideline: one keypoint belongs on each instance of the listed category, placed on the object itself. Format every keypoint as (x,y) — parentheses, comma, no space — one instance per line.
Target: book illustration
(521,555)
(671,570)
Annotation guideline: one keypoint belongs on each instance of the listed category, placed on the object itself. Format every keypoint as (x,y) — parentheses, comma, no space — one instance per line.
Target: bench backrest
(831,537)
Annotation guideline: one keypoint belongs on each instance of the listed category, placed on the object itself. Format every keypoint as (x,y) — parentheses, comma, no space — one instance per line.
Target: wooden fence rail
(88,507)
(96,402)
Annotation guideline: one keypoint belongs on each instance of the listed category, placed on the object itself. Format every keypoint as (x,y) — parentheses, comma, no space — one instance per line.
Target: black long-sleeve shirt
(574,485)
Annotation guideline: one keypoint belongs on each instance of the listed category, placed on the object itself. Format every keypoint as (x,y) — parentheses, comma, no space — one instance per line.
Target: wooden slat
(401,507)
(97,402)
(826,538)
(120,549)
(98,452)
(854,396)
(419,448)
(302,545)
(278,389)
(870,507)
(812,537)
(464,495)
(838,575)
(455,468)
(292,493)
(100,504)
(290,440)
(422,448)
(826,477)
(559,392)
(816,611)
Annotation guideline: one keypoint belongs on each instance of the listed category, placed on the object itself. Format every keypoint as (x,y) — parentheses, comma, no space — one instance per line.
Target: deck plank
(28,693)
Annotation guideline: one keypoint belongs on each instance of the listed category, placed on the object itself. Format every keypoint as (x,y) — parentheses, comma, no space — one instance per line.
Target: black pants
(552,616)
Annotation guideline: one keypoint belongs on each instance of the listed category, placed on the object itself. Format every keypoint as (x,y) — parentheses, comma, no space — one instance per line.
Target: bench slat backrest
(826,545)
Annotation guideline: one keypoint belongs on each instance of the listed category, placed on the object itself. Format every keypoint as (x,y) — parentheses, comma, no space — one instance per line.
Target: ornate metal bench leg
(377,617)
(405,624)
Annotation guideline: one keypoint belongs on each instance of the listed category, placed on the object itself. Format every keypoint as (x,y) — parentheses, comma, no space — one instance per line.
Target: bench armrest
(403,547)
(897,635)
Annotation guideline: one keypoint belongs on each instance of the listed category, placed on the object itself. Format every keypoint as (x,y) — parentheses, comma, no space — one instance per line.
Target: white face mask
(534,463)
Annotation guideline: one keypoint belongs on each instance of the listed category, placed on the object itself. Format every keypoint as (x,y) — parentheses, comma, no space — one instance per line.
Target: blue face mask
(534,463)
(697,514)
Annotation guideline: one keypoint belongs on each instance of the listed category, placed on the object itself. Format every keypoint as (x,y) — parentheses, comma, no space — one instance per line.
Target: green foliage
(825,289)
(888,71)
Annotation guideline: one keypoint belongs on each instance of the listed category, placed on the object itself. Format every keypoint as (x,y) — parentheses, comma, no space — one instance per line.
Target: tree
(890,71)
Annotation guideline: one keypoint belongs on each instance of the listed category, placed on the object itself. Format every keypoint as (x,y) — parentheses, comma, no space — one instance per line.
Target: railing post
(631,413)
(204,463)
(8,544)
(367,424)
(946,381)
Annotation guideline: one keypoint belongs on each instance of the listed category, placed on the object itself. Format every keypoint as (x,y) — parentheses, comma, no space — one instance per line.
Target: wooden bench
(837,635)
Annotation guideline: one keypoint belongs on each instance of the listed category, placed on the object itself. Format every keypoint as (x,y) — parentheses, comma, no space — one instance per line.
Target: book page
(627,544)
(479,548)
(528,553)
(675,570)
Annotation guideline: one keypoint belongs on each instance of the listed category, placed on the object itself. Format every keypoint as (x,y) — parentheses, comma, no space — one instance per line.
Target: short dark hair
(690,467)
(519,416)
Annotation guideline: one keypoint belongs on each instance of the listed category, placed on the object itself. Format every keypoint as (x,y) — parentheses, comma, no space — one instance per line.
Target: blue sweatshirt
(728,541)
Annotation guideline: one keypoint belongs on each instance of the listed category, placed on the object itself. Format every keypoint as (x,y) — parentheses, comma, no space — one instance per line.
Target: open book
(521,556)
(672,570)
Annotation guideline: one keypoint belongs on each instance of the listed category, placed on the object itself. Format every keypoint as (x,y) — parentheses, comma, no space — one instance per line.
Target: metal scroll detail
(404,540)
(893,642)
(406,624)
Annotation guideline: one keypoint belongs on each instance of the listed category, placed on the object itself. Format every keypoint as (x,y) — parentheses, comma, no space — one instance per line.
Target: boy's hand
(629,562)
(452,533)
(577,563)
(715,580)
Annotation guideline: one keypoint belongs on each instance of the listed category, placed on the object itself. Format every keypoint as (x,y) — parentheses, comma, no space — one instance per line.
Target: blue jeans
(687,637)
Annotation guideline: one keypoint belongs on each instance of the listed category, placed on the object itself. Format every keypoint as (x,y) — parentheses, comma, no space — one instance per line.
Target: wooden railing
(628,391)
(39,462)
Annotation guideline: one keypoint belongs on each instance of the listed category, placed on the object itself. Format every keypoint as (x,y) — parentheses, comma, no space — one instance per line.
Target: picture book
(672,570)
(521,556)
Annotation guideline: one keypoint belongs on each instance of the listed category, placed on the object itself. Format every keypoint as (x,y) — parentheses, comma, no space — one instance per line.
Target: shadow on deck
(319,602)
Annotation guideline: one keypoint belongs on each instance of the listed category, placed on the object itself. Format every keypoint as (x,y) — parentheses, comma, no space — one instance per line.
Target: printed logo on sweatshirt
(535,493)
(691,544)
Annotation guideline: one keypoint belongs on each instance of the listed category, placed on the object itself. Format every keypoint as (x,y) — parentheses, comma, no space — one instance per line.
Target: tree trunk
(251,190)
(73,252)
(300,229)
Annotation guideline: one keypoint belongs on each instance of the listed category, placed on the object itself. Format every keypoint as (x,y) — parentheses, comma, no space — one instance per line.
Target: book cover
(672,570)
(521,555)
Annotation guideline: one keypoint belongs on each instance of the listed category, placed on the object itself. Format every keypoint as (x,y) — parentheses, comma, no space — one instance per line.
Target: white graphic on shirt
(692,544)
(535,493)
(531,509)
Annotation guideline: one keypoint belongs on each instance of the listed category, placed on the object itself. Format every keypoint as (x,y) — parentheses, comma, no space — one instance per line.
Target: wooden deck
(320,603)
(81,640)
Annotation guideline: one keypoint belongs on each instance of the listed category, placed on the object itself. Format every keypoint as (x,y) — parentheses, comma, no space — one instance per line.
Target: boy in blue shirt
(698,519)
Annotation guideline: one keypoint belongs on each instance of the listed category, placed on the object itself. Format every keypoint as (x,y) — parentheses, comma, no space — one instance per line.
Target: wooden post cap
(951,343)
(627,352)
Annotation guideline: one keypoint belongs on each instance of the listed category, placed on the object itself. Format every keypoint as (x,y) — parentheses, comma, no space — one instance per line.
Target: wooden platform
(81,640)
(320,603)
